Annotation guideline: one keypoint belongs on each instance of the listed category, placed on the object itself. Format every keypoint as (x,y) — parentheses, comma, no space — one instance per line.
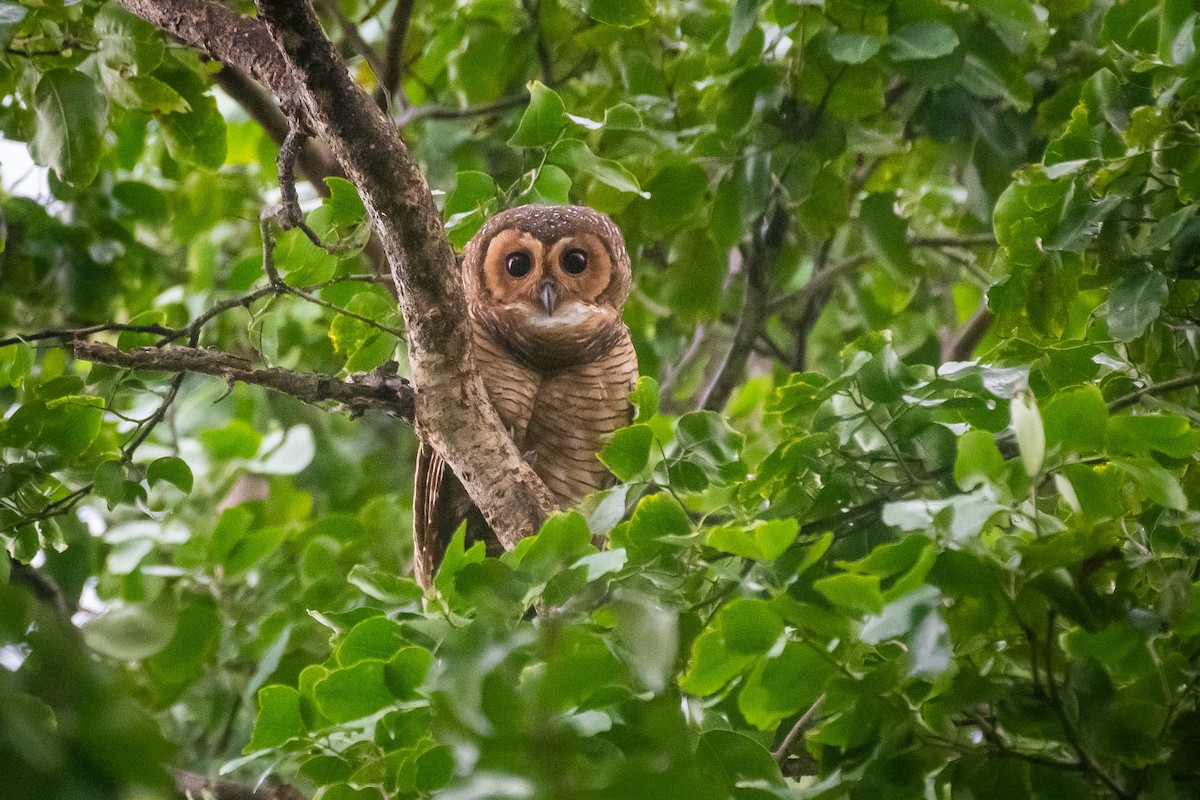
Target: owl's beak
(548,291)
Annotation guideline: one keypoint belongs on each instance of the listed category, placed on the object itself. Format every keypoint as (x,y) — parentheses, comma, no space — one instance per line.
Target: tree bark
(374,391)
(287,51)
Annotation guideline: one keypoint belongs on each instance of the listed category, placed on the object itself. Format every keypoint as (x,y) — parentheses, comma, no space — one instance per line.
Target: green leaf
(406,671)
(916,619)
(435,768)
(676,195)
(734,759)
(621,13)
(847,47)
(278,718)
(657,516)
(131,632)
(922,41)
(70,116)
(1135,302)
(645,397)
(551,187)
(196,136)
(171,469)
(576,154)
(375,638)
(543,120)
(352,692)
(109,480)
(745,14)
(1081,223)
(127,41)
(887,233)
(854,593)
(628,451)
(978,460)
(782,685)
(622,117)
(761,540)
(1139,435)
(1159,483)
(712,665)
(1075,420)
(748,626)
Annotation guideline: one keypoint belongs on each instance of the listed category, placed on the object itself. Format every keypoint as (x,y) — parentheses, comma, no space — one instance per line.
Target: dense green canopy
(909,508)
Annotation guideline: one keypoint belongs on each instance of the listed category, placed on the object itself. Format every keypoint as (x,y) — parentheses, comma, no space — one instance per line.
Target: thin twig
(436,111)
(1162,387)
(781,752)
(75,333)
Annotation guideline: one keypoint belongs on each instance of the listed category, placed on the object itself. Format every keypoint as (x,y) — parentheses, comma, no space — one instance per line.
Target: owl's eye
(518,264)
(574,261)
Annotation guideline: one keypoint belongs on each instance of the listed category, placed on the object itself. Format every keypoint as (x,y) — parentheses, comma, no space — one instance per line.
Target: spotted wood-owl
(545,286)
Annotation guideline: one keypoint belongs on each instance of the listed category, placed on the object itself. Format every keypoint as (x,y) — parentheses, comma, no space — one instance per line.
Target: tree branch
(193,786)
(962,345)
(758,267)
(1154,389)
(357,43)
(435,111)
(287,50)
(314,159)
(224,35)
(380,390)
(453,412)
(393,57)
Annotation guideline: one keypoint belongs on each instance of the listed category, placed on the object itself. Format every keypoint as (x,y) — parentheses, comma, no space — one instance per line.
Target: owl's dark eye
(518,264)
(574,261)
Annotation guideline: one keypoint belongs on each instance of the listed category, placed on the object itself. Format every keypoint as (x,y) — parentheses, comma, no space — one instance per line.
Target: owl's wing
(439,505)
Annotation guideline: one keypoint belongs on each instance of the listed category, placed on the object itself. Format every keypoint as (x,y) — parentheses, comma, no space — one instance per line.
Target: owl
(545,286)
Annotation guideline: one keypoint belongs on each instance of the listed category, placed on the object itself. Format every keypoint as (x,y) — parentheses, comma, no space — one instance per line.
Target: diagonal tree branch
(758,266)
(393,57)
(287,51)
(453,413)
(224,35)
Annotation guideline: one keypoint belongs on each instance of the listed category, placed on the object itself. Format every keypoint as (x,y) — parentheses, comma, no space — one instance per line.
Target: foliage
(882,570)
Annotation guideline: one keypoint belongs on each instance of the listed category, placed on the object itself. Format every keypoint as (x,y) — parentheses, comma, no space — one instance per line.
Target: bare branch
(357,43)
(393,59)
(75,333)
(381,390)
(758,267)
(781,752)
(966,241)
(962,346)
(1155,389)
(193,786)
(435,111)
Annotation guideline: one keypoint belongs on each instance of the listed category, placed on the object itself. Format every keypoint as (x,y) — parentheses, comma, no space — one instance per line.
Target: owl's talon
(529,456)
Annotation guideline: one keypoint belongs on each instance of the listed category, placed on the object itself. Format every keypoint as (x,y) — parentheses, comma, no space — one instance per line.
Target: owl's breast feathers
(563,411)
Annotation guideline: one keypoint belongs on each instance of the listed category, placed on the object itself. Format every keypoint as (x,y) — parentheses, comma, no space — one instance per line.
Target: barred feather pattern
(559,419)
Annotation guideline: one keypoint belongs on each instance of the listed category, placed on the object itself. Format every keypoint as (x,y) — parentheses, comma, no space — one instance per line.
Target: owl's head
(549,281)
